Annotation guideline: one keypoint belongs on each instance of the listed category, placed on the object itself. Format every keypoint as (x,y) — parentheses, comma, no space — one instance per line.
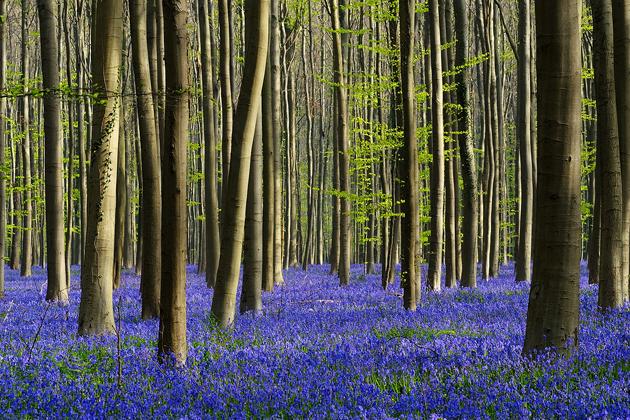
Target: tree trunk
(343,145)
(552,315)
(27,207)
(213,243)
(466,151)
(57,290)
(96,311)
(621,26)
(251,299)
(150,235)
(274,45)
(434,275)
(409,161)
(524,254)
(610,263)
(3,215)
(227,102)
(257,41)
(172,330)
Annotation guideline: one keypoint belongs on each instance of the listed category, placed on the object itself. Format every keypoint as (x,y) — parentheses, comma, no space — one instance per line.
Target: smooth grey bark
(213,243)
(27,205)
(466,150)
(343,145)
(96,311)
(621,38)
(409,267)
(251,299)
(524,254)
(57,289)
(172,329)
(257,42)
(151,206)
(611,249)
(553,311)
(3,199)
(434,275)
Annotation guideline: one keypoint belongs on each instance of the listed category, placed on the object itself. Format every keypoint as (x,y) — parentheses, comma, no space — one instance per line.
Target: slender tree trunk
(227,102)
(96,311)
(27,208)
(268,183)
(343,145)
(213,243)
(251,299)
(3,215)
(434,275)
(552,315)
(621,26)
(57,290)
(409,161)
(276,104)
(466,150)
(610,263)
(172,329)
(150,235)
(257,41)
(121,199)
(524,254)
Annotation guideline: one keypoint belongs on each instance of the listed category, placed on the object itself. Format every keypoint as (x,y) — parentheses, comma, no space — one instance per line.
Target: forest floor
(318,350)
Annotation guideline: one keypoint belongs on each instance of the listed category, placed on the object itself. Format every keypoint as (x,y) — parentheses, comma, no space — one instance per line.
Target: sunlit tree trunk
(27,207)
(256,46)
(96,312)
(3,215)
(437,168)
(213,244)
(523,256)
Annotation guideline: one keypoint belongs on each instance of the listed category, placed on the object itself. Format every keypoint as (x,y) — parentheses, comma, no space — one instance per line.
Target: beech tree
(96,310)
(409,275)
(151,191)
(256,46)
(172,329)
(552,315)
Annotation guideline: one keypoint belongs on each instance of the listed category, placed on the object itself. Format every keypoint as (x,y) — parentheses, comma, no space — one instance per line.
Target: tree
(251,299)
(621,29)
(610,260)
(27,205)
(3,216)
(227,102)
(151,207)
(96,311)
(213,243)
(409,161)
(434,275)
(466,150)
(552,315)
(342,147)
(172,332)
(57,288)
(523,256)
(256,46)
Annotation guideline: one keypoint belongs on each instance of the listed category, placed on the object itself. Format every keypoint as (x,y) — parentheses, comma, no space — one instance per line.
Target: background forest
(417,209)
